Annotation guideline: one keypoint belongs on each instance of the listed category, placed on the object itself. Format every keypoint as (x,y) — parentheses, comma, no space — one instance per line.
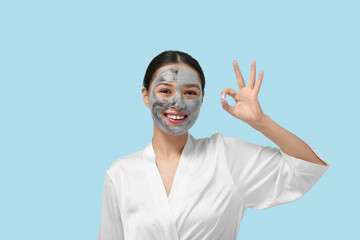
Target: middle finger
(239,77)
(251,83)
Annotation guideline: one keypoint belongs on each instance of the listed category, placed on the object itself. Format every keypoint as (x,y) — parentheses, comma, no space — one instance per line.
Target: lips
(175,117)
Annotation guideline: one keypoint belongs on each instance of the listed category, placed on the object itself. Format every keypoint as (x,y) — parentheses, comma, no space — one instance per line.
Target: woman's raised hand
(247,106)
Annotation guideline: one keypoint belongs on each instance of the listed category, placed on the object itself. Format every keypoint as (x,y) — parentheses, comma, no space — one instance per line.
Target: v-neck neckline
(178,180)
(165,206)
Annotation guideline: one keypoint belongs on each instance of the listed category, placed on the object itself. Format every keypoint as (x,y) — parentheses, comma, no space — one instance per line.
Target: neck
(166,145)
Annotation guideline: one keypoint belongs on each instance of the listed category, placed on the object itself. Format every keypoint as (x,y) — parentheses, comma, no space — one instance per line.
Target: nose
(178,102)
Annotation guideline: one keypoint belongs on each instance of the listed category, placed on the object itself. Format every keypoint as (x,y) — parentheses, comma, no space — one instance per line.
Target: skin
(248,110)
(168,147)
(175,89)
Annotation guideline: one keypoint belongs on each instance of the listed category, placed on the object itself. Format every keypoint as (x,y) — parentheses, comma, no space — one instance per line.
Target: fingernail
(223,96)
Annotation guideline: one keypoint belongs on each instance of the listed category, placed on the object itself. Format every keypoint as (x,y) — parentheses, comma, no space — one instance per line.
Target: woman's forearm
(287,142)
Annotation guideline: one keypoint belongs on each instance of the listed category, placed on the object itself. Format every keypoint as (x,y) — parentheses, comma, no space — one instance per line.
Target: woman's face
(175,98)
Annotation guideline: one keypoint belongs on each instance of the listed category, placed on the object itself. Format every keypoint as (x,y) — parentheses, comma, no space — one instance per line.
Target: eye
(190,92)
(165,91)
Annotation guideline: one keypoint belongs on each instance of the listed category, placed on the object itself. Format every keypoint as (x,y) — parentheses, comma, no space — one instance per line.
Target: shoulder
(212,138)
(213,142)
(232,144)
(120,164)
(207,140)
(218,138)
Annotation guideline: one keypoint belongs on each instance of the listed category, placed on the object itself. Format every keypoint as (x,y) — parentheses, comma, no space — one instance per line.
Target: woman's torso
(203,202)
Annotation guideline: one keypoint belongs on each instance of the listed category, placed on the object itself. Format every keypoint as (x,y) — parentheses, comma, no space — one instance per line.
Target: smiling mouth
(175,118)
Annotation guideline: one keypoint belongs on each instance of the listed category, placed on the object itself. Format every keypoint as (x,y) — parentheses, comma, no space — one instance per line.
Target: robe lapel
(167,207)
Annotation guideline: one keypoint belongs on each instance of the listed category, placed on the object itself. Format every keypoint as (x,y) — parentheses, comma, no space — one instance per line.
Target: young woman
(180,187)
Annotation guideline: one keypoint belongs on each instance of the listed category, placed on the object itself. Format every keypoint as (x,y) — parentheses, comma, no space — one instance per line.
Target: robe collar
(178,181)
(168,207)
(149,153)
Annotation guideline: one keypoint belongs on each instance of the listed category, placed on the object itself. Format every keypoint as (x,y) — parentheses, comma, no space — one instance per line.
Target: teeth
(175,117)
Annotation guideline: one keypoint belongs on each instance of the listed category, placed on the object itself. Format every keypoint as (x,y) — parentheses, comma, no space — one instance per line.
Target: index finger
(239,77)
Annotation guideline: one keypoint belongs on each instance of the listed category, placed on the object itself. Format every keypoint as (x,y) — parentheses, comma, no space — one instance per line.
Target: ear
(203,94)
(146,97)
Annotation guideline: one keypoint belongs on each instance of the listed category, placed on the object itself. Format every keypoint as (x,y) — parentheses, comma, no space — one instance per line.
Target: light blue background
(71,75)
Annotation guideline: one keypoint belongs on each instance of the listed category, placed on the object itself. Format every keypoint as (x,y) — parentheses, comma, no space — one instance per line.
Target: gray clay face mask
(188,109)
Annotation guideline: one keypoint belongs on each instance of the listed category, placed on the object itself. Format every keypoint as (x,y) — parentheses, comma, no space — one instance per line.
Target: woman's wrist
(262,123)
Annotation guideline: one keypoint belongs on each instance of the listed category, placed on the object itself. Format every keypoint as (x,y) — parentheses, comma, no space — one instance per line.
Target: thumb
(226,106)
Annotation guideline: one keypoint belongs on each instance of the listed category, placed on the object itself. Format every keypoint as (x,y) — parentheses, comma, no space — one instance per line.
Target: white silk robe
(217,178)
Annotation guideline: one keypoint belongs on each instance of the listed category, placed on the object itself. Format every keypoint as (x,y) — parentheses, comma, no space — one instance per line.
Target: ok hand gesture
(247,106)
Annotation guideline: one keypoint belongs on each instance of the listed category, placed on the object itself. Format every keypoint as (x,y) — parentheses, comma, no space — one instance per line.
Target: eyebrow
(167,84)
(185,85)
(192,85)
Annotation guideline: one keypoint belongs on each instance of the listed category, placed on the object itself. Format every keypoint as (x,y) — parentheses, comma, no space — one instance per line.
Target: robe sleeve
(266,176)
(111,227)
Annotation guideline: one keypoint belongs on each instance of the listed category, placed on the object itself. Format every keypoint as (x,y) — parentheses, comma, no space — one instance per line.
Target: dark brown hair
(168,57)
